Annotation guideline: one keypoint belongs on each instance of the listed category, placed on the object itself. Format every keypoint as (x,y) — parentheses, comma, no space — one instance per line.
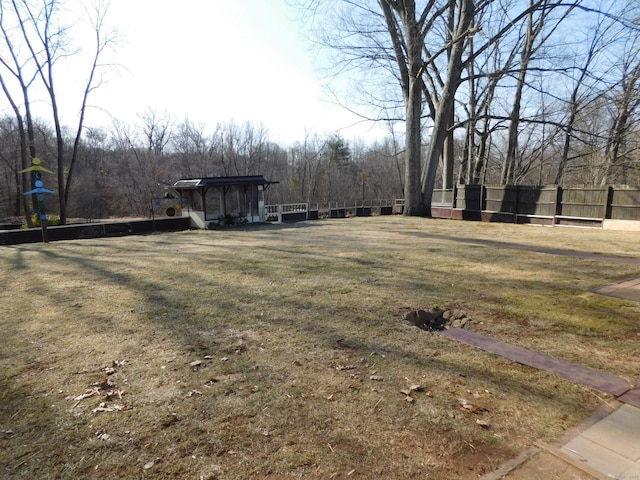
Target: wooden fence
(541,204)
(548,204)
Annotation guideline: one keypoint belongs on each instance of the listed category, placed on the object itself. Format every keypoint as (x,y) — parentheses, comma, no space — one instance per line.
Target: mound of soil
(437,318)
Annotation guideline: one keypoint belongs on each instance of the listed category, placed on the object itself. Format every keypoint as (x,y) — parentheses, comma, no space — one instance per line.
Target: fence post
(454,198)
(608,208)
(558,201)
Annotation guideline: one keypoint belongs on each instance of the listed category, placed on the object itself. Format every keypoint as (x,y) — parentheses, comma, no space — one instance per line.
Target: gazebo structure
(223,200)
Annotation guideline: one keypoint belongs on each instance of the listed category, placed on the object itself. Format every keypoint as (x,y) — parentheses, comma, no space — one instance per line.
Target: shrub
(52,220)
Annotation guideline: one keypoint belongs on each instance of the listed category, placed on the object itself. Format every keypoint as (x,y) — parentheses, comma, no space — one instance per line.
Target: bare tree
(407,28)
(576,100)
(46,40)
(305,158)
(16,68)
(194,153)
(425,52)
(624,107)
(442,120)
(535,38)
(157,130)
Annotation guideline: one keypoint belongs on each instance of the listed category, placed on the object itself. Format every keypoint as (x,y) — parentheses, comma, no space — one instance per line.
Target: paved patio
(627,289)
(611,446)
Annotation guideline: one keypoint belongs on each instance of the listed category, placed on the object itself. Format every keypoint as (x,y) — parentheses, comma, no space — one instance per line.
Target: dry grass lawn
(250,352)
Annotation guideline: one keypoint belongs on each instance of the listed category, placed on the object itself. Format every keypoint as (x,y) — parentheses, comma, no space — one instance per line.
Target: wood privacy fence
(539,204)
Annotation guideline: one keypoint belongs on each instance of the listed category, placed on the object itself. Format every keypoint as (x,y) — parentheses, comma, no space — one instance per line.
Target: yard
(281,351)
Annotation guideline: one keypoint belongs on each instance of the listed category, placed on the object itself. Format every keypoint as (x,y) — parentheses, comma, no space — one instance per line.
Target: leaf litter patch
(106,391)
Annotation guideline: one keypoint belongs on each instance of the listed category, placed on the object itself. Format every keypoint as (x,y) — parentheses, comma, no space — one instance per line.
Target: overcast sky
(216,61)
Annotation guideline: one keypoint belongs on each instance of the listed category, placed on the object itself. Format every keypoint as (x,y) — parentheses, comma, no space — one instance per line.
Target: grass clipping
(276,351)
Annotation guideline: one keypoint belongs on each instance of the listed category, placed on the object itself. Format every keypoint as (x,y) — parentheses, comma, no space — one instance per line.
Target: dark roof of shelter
(206,182)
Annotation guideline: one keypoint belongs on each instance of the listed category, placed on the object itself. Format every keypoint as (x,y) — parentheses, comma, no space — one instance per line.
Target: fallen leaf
(149,465)
(376,378)
(113,393)
(297,363)
(196,363)
(113,408)
(107,384)
(409,399)
(87,394)
(208,357)
(469,407)
(406,391)
(416,388)
(194,392)
(483,423)
(108,370)
(345,367)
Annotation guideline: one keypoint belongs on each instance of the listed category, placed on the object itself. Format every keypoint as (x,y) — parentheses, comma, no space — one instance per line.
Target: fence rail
(293,212)
(287,212)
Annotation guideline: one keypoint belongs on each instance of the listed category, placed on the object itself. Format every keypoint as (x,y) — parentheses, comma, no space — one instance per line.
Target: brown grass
(290,324)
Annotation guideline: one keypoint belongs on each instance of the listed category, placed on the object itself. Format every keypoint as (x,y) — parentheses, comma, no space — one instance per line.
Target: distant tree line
(119,171)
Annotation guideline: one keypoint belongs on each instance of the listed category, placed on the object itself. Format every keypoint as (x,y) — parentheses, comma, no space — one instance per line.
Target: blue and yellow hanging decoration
(39,191)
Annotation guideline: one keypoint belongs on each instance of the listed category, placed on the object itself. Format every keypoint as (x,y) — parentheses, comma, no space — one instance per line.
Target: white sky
(216,61)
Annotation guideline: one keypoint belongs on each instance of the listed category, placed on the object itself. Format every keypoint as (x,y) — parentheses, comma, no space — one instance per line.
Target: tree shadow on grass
(530,248)
(332,337)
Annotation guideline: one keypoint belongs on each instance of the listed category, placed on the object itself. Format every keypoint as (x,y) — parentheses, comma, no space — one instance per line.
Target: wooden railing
(279,213)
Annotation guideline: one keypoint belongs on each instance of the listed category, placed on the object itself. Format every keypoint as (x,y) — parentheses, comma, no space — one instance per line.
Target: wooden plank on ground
(605,382)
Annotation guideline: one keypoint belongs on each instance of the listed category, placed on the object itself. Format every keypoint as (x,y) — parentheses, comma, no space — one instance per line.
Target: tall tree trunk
(465,175)
(508,173)
(448,153)
(407,47)
(574,107)
(414,202)
(445,105)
